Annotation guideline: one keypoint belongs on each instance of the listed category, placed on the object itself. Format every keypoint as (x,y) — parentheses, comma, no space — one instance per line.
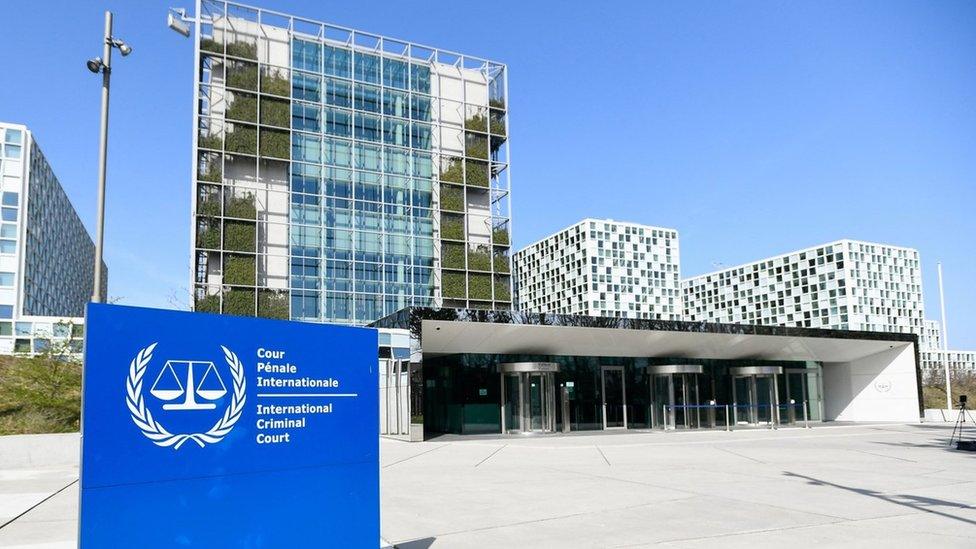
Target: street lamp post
(103,64)
(945,343)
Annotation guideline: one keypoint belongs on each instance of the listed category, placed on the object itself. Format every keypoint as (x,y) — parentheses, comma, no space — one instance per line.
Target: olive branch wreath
(154,431)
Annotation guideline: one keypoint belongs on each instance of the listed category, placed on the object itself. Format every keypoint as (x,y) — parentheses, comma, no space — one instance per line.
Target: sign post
(204,430)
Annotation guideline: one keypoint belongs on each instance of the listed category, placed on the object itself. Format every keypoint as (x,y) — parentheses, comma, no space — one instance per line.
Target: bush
(479,287)
(497,123)
(476,123)
(239,270)
(208,236)
(273,304)
(242,49)
(211,45)
(452,227)
(243,75)
(214,142)
(479,259)
(496,103)
(242,207)
(40,394)
(500,236)
(239,301)
(273,82)
(477,173)
(452,198)
(933,386)
(502,291)
(210,171)
(207,304)
(209,206)
(275,143)
(502,265)
(454,172)
(243,107)
(275,112)
(476,146)
(452,255)
(453,285)
(242,139)
(239,236)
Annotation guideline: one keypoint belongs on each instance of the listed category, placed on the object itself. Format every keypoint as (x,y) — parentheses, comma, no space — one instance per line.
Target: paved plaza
(833,485)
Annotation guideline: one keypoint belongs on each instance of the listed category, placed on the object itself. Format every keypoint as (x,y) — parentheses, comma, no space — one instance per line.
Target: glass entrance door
(528,402)
(614,398)
(754,399)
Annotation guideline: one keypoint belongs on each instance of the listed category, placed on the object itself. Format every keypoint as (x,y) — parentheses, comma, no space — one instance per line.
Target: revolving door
(755,395)
(528,397)
(675,396)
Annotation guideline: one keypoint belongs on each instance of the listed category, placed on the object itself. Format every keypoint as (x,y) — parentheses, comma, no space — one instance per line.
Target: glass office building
(340,176)
(47,256)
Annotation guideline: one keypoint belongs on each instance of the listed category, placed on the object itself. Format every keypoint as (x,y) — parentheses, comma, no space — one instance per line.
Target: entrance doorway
(528,397)
(675,396)
(755,395)
(614,388)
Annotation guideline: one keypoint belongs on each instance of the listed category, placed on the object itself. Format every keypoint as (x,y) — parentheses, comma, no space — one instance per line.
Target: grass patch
(39,394)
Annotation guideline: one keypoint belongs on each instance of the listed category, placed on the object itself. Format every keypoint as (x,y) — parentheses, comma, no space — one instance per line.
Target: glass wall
(462,393)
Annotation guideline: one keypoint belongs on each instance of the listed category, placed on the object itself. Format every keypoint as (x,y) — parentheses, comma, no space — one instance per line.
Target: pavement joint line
(882,455)
(415,455)
(740,455)
(36,505)
(491,455)
(604,456)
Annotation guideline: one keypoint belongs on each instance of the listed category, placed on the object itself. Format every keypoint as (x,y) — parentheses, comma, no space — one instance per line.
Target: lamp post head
(95,64)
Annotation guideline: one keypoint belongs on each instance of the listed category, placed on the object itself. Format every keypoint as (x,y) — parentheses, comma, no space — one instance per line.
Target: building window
(6,280)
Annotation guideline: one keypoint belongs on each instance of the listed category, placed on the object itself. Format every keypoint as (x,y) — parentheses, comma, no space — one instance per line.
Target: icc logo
(185,386)
(882,386)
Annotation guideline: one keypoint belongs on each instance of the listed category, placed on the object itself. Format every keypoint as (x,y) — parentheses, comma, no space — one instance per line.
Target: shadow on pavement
(415,544)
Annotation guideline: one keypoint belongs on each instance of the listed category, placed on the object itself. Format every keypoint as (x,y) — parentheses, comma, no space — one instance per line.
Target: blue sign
(203,430)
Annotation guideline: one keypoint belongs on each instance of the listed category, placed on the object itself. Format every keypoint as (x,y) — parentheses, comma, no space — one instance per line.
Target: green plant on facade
(273,304)
(454,171)
(476,123)
(243,107)
(274,83)
(239,236)
(210,141)
(452,198)
(242,49)
(452,255)
(275,143)
(208,236)
(502,265)
(476,146)
(242,139)
(500,235)
(497,103)
(479,287)
(239,301)
(497,123)
(477,173)
(275,112)
(209,206)
(502,291)
(243,207)
(239,270)
(211,45)
(479,258)
(453,285)
(210,171)
(242,75)
(209,303)
(452,227)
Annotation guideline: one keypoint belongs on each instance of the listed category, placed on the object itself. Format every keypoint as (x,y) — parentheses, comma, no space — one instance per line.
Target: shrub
(242,207)
(239,236)
(476,123)
(479,258)
(452,255)
(243,139)
(454,171)
(497,103)
(239,301)
(275,143)
(243,75)
(479,287)
(497,123)
(208,236)
(476,146)
(239,270)
(208,206)
(211,45)
(210,170)
(273,304)
(243,107)
(453,285)
(207,304)
(477,173)
(275,112)
(502,291)
(273,82)
(452,227)
(452,198)
(40,394)
(501,263)
(242,49)
(214,142)
(500,235)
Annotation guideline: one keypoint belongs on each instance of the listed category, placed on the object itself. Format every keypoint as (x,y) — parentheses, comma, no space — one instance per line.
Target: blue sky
(754,128)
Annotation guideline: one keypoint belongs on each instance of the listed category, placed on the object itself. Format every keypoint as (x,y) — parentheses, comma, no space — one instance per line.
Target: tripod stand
(960,420)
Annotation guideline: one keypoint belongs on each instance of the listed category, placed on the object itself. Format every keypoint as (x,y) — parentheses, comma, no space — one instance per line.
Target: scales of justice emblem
(177,385)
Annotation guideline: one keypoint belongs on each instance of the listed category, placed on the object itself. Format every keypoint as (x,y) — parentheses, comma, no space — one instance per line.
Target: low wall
(879,387)
(22,451)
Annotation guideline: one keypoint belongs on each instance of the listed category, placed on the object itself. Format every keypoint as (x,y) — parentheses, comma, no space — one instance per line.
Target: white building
(847,284)
(958,360)
(931,335)
(602,268)
(46,255)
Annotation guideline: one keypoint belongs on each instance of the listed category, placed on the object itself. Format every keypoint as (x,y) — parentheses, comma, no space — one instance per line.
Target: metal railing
(711,416)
